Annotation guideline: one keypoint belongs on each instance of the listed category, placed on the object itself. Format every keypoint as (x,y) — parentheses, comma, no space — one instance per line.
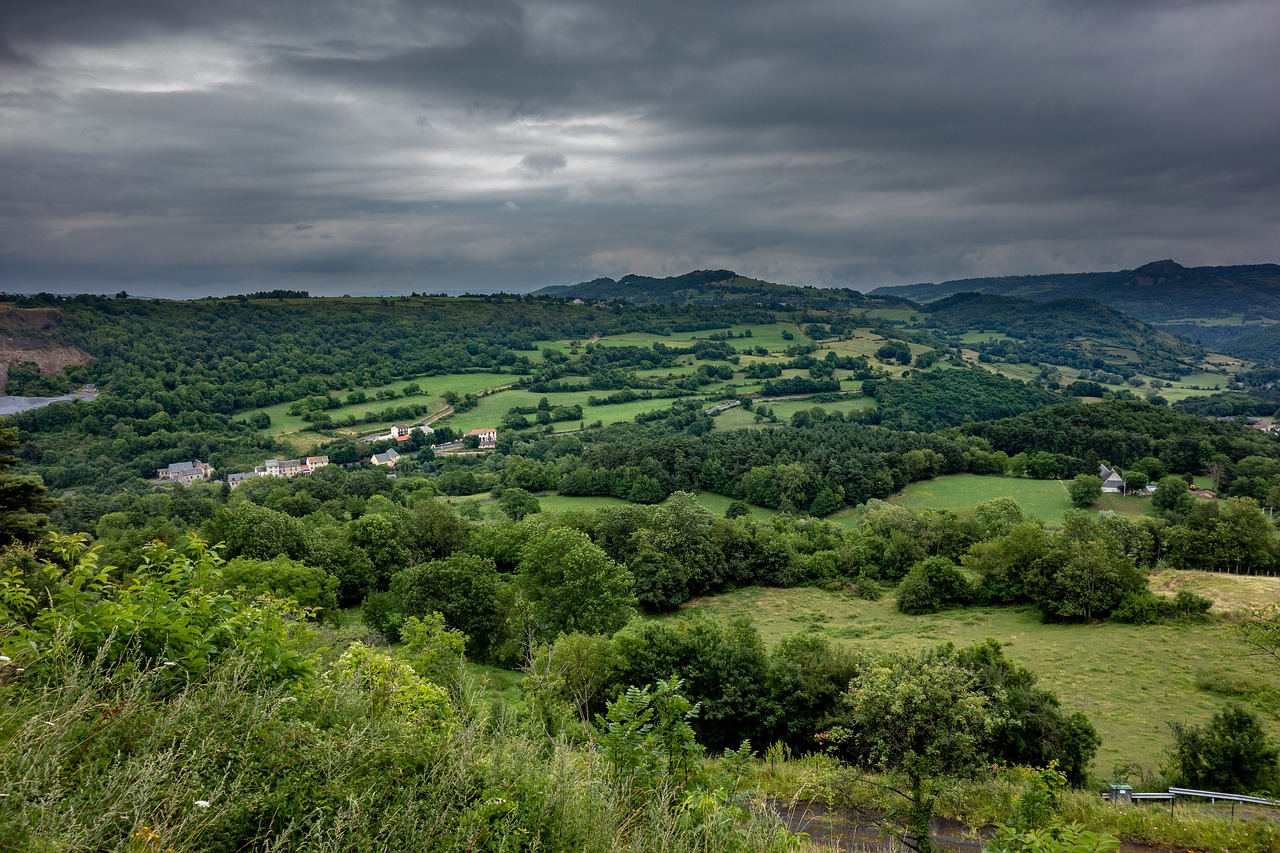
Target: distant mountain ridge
(1161,292)
(713,287)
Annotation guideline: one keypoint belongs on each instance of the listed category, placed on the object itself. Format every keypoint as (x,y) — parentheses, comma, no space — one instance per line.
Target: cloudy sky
(176,147)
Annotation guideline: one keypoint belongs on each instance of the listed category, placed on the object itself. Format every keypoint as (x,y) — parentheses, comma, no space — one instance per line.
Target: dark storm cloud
(344,147)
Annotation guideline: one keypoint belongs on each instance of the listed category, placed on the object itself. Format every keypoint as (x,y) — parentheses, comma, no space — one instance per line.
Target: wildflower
(204,804)
(5,659)
(170,663)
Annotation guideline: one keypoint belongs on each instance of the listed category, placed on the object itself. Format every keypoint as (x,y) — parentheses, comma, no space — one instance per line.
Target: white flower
(204,804)
(5,659)
(170,663)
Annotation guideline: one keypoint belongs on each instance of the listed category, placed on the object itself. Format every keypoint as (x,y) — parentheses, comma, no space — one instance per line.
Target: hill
(1158,292)
(1079,333)
(714,287)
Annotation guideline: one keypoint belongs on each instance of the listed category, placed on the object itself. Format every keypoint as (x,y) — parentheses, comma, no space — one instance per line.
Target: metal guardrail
(1211,796)
(1218,795)
(1157,795)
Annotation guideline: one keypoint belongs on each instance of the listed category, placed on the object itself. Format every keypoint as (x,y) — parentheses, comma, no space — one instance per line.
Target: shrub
(1231,754)
(932,585)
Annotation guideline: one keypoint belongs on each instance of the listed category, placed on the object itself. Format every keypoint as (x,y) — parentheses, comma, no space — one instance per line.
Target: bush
(932,585)
(1232,754)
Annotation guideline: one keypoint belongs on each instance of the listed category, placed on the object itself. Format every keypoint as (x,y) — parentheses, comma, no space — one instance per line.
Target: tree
(1085,490)
(932,585)
(572,585)
(1082,579)
(23,501)
(1232,754)
(461,587)
(1171,495)
(435,530)
(1136,482)
(920,719)
(284,578)
(517,503)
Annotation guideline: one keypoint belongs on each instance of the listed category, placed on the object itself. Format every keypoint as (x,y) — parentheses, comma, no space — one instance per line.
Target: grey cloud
(541,164)
(190,146)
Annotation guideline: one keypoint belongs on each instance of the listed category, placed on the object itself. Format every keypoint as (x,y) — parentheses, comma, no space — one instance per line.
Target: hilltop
(1233,309)
(713,287)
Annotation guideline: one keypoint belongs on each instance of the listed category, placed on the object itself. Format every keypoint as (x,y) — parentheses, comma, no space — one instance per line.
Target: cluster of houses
(400,432)
(186,473)
(1269,427)
(280,468)
(487,436)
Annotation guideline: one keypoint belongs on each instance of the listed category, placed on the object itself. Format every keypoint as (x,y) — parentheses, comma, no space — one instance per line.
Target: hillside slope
(1158,292)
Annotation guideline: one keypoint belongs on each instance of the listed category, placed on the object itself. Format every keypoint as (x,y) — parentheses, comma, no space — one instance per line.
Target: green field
(716,504)
(493,406)
(283,423)
(1044,499)
(1131,681)
(740,418)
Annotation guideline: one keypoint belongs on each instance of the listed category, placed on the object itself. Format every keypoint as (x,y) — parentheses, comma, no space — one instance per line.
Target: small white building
(488,435)
(1111,480)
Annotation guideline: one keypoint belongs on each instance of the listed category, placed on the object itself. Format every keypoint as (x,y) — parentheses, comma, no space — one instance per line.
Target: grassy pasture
(1044,499)
(975,337)
(283,423)
(714,503)
(492,407)
(1131,681)
(739,418)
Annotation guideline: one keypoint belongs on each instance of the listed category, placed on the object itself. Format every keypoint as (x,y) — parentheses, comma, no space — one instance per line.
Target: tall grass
(105,761)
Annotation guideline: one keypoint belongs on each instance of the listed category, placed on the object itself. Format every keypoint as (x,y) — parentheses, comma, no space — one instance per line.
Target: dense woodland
(304,653)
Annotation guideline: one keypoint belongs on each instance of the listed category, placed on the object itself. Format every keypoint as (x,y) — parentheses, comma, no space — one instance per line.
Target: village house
(488,435)
(280,468)
(389,458)
(1111,481)
(185,473)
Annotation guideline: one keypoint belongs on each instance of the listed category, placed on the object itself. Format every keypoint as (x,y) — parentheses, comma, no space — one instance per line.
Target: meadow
(284,424)
(740,418)
(1131,681)
(1044,499)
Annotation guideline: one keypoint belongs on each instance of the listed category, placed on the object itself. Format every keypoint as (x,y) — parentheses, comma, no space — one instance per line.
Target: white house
(1111,480)
(488,435)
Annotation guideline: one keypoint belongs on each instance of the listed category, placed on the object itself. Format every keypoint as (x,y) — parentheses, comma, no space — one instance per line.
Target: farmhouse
(1111,480)
(488,435)
(185,473)
(389,458)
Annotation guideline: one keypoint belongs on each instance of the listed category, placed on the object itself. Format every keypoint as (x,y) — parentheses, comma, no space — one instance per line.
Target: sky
(183,148)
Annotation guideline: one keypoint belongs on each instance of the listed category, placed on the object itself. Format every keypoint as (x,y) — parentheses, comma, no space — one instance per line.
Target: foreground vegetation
(644,555)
